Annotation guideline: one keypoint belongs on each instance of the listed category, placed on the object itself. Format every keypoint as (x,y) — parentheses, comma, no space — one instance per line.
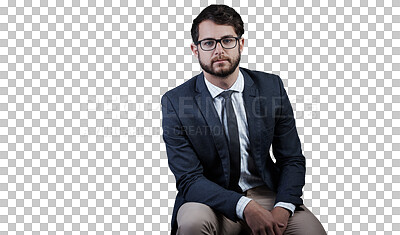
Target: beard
(222,72)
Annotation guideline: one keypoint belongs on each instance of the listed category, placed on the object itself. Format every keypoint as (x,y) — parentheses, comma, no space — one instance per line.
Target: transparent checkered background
(81,150)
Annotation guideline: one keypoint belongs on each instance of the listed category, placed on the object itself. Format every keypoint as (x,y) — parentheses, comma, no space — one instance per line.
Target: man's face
(219,62)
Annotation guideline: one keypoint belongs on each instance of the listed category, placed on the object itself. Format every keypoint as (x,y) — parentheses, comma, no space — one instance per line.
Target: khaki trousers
(196,218)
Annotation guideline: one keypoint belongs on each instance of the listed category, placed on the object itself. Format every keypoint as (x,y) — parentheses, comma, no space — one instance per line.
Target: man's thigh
(194,217)
(197,218)
(302,222)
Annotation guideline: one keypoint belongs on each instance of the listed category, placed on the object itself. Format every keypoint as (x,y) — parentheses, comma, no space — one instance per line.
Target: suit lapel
(205,103)
(251,100)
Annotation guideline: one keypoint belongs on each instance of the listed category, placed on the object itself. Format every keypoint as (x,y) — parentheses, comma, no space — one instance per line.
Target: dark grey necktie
(234,144)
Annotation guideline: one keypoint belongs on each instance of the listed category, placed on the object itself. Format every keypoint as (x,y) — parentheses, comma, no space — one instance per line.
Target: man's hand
(261,221)
(282,216)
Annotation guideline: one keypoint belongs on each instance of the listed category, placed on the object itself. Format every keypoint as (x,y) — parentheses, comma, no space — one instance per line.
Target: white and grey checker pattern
(80,86)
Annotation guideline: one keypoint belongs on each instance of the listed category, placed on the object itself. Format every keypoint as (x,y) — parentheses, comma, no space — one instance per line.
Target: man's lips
(220,61)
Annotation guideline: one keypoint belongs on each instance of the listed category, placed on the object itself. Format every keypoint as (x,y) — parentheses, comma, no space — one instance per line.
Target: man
(218,129)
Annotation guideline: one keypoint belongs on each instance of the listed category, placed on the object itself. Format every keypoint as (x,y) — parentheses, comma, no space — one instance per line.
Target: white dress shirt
(249,177)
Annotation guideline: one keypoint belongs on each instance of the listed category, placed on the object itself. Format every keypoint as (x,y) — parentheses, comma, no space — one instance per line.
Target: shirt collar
(237,86)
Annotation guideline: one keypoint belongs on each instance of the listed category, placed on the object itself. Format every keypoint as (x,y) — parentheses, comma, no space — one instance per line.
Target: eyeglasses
(210,44)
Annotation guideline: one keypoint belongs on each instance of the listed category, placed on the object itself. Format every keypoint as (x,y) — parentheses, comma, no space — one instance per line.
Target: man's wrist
(286,205)
(241,205)
(288,212)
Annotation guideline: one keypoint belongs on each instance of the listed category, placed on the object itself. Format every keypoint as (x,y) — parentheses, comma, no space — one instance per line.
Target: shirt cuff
(242,203)
(286,205)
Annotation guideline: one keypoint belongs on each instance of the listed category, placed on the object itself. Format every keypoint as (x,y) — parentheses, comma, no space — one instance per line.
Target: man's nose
(218,48)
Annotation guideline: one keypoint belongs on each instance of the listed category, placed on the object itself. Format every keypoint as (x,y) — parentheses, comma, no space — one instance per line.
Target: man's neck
(223,82)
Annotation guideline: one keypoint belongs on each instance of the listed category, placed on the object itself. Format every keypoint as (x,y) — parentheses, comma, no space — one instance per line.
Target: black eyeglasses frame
(216,42)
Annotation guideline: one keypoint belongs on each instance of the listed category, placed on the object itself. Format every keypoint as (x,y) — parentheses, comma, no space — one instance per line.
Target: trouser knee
(196,227)
(196,218)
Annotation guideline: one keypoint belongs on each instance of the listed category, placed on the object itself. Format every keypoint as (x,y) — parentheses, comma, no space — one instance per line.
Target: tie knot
(226,94)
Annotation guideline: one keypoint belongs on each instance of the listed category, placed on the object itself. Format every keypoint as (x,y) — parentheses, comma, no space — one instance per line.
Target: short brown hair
(219,14)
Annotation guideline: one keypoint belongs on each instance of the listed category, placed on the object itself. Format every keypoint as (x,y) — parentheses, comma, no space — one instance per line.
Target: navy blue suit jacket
(197,149)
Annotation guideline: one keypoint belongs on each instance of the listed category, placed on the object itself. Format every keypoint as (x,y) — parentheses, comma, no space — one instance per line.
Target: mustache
(220,58)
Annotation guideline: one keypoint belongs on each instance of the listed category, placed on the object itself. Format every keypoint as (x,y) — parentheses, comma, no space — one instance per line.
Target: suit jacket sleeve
(287,150)
(187,168)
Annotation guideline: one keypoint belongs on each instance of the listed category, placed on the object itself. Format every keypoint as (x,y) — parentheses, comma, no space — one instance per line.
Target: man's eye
(227,40)
(208,43)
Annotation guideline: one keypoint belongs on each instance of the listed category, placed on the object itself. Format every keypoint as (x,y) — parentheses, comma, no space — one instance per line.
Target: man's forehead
(209,29)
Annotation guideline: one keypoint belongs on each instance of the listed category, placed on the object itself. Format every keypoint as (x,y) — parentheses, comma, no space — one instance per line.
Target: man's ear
(194,50)
(241,41)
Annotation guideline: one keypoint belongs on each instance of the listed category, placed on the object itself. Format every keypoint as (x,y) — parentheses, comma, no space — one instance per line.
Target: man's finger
(263,232)
(277,230)
(270,231)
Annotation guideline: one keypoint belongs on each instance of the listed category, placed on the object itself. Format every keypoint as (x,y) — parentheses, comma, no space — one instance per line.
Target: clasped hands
(263,222)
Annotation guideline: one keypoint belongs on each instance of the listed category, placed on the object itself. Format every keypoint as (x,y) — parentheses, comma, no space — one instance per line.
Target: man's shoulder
(184,89)
(255,74)
(262,79)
